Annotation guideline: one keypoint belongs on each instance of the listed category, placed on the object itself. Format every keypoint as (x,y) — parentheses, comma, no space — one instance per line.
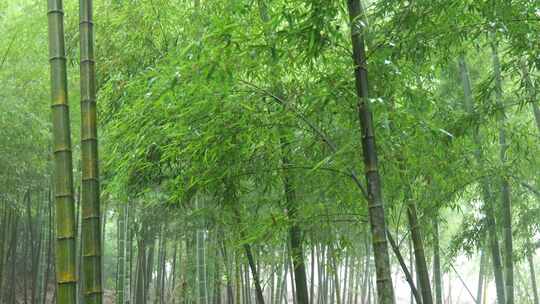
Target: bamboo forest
(269,151)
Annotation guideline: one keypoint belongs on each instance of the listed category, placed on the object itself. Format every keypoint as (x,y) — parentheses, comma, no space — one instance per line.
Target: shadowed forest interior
(269,152)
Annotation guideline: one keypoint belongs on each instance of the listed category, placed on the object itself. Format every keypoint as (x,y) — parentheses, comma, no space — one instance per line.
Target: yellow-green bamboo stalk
(91,232)
(63,174)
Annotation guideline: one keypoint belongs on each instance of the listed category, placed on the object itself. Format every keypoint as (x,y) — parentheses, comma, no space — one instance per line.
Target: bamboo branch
(321,134)
(463,283)
(6,53)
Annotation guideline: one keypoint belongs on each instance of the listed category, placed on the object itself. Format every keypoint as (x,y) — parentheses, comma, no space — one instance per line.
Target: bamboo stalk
(91,222)
(63,174)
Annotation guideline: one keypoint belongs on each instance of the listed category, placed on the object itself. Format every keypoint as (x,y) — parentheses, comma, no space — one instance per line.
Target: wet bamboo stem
(91,232)
(369,148)
(63,175)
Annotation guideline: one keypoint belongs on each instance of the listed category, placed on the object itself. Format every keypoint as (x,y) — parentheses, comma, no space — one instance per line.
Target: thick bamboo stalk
(385,290)
(63,186)
(91,232)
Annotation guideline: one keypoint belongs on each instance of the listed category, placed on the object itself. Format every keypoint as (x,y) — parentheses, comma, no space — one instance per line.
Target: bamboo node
(89,138)
(57,58)
(67,237)
(89,100)
(93,292)
(57,11)
(91,217)
(61,150)
(90,179)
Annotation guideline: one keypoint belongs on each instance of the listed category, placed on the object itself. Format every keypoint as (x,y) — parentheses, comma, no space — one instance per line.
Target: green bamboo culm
(91,232)
(63,175)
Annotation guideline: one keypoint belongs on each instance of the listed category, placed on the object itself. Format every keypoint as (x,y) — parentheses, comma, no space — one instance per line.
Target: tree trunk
(65,210)
(79,244)
(481,277)
(13,248)
(172,286)
(6,222)
(293,287)
(335,272)
(437,262)
(28,235)
(129,253)
(367,273)
(38,255)
(312,281)
(345,278)
(162,267)
(48,259)
(256,279)
(139,296)
(91,223)
(200,258)
(385,290)
(352,281)
(121,269)
(149,266)
(238,279)
(532,274)
(419,253)
(228,271)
